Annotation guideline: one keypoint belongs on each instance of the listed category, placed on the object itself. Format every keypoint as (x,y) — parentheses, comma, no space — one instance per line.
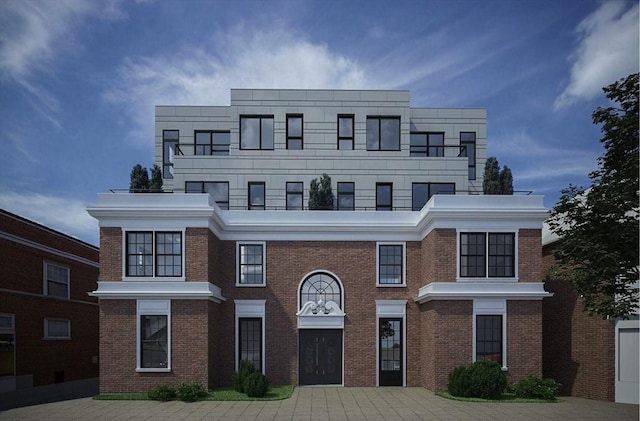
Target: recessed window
(294,196)
(219,190)
(256,132)
(250,341)
(345,132)
(56,280)
(426,144)
(422,192)
(251,264)
(391,264)
(154,335)
(142,248)
(383,133)
(489,338)
(294,131)
(346,196)
(209,142)
(384,196)
(256,196)
(480,258)
(57,329)
(468,149)
(170,148)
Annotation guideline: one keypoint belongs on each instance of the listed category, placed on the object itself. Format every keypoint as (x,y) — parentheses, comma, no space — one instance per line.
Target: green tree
(321,194)
(506,181)
(139,179)
(156,179)
(598,251)
(496,181)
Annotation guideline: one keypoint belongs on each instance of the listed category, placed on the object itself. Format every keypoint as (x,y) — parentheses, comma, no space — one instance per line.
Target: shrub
(535,388)
(486,380)
(190,392)
(163,393)
(256,385)
(239,377)
(459,382)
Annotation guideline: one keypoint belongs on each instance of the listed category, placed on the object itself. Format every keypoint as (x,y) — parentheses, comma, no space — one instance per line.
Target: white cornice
(469,291)
(158,290)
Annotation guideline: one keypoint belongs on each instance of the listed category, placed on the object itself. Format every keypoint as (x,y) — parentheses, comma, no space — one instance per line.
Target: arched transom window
(321,286)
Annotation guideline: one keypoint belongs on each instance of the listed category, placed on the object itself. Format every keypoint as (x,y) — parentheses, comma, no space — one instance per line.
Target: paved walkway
(329,404)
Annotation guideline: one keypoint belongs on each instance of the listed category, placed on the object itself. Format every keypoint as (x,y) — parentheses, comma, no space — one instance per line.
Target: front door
(390,352)
(320,354)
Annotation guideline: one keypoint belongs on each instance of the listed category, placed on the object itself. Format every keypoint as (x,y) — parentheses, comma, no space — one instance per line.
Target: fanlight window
(320,286)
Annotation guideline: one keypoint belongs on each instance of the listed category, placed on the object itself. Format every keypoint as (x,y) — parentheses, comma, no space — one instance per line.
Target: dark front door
(390,352)
(320,356)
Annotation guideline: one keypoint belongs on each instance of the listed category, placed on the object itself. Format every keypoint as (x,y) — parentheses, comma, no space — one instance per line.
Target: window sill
(56,339)
(153,279)
(391,285)
(153,370)
(488,280)
(251,285)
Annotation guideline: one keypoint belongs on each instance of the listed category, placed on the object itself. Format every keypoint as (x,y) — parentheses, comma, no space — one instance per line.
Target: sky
(79,79)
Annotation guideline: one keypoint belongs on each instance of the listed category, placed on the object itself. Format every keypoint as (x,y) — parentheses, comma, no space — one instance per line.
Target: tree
(320,194)
(496,181)
(140,182)
(598,227)
(156,179)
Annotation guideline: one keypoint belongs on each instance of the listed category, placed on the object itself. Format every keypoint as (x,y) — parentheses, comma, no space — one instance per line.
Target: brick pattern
(529,255)
(111,254)
(579,350)
(524,339)
(439,260)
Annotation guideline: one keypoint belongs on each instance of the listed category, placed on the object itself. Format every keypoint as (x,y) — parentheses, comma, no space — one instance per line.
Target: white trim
(469,290)
(487,278)
(264,263)
(388,309)
(491,307)
(153,232)
(404,263)
(51,250)
(625,391)
(45,278)
(153,308)
(249,309)
(158,290)
(332,316)
(47,336)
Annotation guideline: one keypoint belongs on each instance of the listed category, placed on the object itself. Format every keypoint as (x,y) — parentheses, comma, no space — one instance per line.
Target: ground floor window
(250,341)
(154,335)
(489,338)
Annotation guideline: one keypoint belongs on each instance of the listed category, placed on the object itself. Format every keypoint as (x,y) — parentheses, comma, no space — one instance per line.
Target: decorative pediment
(320,315)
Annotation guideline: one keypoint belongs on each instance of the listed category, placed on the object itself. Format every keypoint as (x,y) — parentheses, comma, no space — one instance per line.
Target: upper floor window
(422,192)
(57,329)
(487,255)
(56,280)
(142,249)
(391,264)
(426,144)
(294,196)
(345,131)
(219,190)
(383,133)
(346,199)
(256,132)
(294,131)
(256,195)
(209,142)
(170,139)
(384,196)
(468,140)
(251,264)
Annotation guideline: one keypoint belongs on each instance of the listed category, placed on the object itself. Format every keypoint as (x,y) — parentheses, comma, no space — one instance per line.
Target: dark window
(251,265)
(501,255)
(472,254)
(294,196)
(390,260)
(384,196)
(489,338)
(140,254)
(154,344)
(468,140)
(168,254)
(426,144)
(250,341)
(256,196)
(57,280)
(422,192)
(383,133)
(500,251)
(294,131)
(346,196)
(219,190)
(57,329)
(345,132)
(320,286)
(212,142)
(170,139)
(256,132)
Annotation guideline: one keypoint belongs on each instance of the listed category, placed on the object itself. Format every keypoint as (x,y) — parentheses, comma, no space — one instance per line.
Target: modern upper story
(263,151)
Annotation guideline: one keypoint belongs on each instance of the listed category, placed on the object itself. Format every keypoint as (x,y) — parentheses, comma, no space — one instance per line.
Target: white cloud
(607,51)
(67,215)
(243,57)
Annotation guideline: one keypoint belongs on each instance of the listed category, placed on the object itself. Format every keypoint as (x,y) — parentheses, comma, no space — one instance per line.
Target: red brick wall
(197,249)
(579,350)
(524,339)
(530,255)
(439,260)
(111,254)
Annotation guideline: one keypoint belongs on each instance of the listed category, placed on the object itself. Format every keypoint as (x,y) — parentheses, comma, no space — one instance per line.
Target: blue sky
(79,79)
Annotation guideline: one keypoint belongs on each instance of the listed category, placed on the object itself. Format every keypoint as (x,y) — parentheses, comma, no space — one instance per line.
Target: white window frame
(239,244)
(392,309)
(155,278)
(491,307)
(45,278)
(47,336)
(153,308)
(253,309)
(404,263)
(488,278)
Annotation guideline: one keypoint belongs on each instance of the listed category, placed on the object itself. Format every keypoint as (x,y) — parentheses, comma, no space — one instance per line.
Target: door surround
(392,309)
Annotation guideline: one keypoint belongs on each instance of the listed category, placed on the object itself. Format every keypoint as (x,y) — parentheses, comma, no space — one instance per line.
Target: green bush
(533,387)
(459,382)
(163,393)
(486,380)
(256,385)
(190,392)
(239,377)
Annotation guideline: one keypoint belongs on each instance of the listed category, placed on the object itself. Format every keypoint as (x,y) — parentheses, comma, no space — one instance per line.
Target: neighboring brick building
(48,322)
(228,265)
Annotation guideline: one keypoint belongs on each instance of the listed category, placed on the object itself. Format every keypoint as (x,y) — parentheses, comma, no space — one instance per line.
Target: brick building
(48,323)
(411,274)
